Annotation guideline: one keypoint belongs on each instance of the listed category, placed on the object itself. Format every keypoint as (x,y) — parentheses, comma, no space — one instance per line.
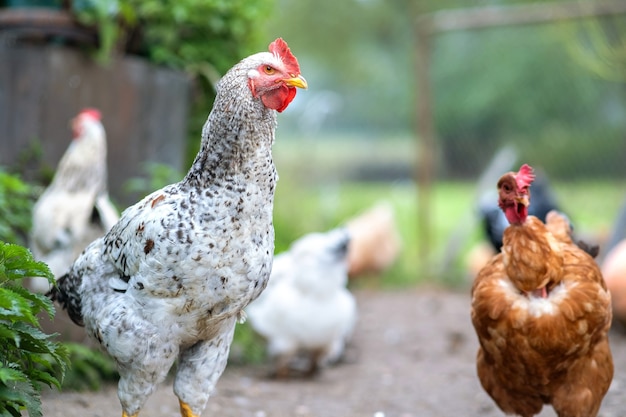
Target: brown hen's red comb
(91,112)
(280,48)
(525,176)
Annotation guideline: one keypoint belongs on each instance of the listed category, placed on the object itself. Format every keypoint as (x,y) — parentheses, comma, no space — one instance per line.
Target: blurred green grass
(317,191)
(324,182)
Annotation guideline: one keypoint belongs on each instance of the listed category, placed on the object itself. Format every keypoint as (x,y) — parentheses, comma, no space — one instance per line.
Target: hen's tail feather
(64,292)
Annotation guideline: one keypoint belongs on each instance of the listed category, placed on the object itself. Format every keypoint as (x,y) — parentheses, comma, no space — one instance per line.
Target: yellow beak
(298,81)
(523,200)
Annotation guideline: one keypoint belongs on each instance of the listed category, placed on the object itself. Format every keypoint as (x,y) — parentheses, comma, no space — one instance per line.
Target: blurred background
(501,84)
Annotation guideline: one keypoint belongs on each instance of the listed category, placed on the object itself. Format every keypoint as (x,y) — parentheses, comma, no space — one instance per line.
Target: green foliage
(576,155)
(362,50)
(16,202)
(111,17)
(192,32)
(247,348)
(183,34)
(489,86)
(202,37)
(90,368)
(600,46)
(491,90)
(27,355)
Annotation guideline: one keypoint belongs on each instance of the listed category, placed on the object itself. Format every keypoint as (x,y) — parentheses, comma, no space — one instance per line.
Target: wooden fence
(144,108)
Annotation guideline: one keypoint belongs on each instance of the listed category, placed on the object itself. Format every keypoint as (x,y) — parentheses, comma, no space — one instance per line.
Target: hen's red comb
(280,48)
(91,112)
(525,176)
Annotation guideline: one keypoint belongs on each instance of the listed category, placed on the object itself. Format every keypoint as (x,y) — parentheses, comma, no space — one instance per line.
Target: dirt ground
(412,355)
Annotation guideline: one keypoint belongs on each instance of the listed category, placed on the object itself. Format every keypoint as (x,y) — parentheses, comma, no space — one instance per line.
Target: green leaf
(20,395)
(13,307)
(9,375)
(16,201)
(19,263)
(45,377)
(33,339)
(90,367)
(28,355)
(7,333)
(38,302)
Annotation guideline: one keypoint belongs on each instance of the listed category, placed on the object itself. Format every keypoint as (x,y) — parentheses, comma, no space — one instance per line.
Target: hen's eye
(269,70)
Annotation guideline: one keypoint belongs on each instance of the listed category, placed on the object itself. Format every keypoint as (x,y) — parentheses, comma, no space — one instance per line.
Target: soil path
(412,355)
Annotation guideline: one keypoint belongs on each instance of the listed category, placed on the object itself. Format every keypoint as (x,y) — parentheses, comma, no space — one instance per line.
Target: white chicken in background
(306,309)
(75,208)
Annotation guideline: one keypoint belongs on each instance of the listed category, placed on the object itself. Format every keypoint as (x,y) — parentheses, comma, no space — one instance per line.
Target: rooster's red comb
(280,48)
(91,112)
(524,176)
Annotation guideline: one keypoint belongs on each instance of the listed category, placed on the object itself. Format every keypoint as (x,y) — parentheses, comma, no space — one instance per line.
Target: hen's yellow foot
(129,415)
(185,411)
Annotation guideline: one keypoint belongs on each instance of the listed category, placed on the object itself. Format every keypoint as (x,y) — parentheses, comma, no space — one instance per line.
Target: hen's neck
(237,137)
(532,256)
(83,167)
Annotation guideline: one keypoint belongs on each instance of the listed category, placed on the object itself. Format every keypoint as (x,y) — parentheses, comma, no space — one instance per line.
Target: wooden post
(426,141)
(523,14)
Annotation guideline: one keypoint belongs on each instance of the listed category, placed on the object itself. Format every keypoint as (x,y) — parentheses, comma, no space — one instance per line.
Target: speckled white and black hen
(170,279)
(75,208)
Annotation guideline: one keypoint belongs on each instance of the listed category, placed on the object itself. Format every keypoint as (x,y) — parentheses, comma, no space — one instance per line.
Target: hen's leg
(314,364)
(200,367)
(282,366)
(141,377)
(185,410)
(143,356)
(282,351)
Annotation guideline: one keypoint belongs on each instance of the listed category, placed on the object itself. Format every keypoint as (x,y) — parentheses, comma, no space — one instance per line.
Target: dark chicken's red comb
(280,48)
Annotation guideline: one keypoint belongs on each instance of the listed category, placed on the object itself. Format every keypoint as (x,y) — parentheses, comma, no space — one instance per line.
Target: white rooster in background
(306,309)
(75,208)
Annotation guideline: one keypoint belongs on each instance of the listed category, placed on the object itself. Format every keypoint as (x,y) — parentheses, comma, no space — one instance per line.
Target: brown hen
(375,242)
(542,312)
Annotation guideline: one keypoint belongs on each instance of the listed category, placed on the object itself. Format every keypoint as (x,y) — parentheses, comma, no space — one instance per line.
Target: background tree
(527,86)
